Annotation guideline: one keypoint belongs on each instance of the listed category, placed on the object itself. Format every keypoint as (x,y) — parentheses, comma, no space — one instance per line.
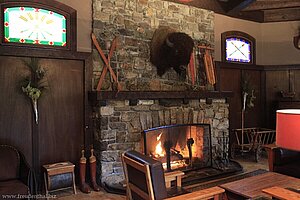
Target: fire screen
(185,146)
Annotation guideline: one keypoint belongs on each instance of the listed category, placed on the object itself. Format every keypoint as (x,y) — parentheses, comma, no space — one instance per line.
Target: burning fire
(158,149)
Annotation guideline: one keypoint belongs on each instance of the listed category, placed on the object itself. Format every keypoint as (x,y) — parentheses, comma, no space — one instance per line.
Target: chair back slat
(140,172)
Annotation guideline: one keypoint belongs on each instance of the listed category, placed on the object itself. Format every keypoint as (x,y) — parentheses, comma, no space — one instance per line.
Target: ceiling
(254,10)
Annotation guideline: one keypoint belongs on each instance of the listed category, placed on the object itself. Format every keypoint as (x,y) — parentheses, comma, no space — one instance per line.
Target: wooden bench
(281,193)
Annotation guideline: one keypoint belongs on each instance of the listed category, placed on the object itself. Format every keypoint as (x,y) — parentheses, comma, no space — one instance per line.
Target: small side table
(59,176)
(173,176)
(269,148)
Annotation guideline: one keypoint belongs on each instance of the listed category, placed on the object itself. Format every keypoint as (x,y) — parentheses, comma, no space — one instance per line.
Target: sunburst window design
(31,25)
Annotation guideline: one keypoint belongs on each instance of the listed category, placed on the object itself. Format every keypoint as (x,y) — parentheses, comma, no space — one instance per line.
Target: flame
(158,149)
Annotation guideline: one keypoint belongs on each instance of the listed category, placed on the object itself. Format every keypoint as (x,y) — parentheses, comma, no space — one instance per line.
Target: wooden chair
(145,180)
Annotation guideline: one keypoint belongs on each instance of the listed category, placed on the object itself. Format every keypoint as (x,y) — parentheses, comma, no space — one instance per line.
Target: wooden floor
(102,195)
(248,166)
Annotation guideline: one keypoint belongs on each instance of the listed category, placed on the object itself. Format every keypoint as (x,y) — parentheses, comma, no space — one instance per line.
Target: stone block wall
(120,125)
(134,22)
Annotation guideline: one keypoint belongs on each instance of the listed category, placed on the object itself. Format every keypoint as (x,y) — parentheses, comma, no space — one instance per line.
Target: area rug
(221,181)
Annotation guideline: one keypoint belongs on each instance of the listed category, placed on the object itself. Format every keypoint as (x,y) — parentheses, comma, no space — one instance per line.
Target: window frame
(243,36)
(57,7)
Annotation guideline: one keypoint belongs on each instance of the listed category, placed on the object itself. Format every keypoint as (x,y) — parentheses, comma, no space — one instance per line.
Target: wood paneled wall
(63,128)
(268,82)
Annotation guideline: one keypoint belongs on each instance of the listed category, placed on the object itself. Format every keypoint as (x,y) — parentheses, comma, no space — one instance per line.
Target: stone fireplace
(151,100)
(120,127)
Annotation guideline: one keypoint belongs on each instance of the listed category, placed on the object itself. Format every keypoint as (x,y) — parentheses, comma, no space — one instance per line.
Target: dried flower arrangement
(33,84)
(247,91)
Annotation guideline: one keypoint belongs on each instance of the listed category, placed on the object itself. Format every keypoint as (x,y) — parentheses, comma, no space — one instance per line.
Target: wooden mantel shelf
(141,95)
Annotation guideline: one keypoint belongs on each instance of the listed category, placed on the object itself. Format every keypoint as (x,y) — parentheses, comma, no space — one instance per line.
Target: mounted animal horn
(169,43)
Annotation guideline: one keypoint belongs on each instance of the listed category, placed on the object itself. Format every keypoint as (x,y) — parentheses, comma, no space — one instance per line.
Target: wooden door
(61,125)
(295,83)
(59,135)
(253,115)
(15,108)
(230,79)
(276,81)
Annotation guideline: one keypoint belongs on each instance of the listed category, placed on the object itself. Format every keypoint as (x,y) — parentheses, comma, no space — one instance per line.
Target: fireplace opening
(179,147)
(188,147)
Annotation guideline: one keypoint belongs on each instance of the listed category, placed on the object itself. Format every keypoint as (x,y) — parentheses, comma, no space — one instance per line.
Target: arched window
(39,25)
(238,47)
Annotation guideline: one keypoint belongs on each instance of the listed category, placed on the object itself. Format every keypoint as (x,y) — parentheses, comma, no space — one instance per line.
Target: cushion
(291,169)
(10,163)
(285,156)
(13,187)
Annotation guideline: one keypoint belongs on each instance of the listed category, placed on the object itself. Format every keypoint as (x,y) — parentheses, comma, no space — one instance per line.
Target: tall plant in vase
(33,84)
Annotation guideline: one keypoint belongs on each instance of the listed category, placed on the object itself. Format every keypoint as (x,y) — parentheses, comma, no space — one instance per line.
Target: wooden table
(214,192)
(252,187)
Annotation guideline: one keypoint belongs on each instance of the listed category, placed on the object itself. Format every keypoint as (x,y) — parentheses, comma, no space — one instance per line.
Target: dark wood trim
(67,11)
(240,5)
(263,5)
(280,67)
(290,14)
(239,66)
(88,112)
(96,96)
(263,93)
(42,53)
(242,35)
(256,67)
(255,16)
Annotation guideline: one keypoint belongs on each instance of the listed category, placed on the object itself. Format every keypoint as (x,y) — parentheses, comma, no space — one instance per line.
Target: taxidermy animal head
(170,49)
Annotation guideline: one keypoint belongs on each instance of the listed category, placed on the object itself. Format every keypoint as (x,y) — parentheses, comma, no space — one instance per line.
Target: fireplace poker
(167,146)
(190,143)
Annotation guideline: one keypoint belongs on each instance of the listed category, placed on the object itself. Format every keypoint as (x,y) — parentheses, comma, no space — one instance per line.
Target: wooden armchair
(16,176)
(145,180)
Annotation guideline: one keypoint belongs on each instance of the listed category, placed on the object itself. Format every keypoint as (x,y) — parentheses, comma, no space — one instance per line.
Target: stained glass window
(34,26)
(238,50)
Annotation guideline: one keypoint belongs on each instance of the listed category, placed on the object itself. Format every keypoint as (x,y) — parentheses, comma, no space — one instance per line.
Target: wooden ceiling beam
(240,6)
(266,5)
(253,10)
(234,5)
(255,16)
(291,14)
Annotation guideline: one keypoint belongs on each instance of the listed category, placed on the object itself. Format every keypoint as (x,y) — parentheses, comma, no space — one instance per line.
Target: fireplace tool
(167,146)
(190,143)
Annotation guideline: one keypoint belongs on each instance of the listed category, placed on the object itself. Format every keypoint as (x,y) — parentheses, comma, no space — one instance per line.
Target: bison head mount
(170,49)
